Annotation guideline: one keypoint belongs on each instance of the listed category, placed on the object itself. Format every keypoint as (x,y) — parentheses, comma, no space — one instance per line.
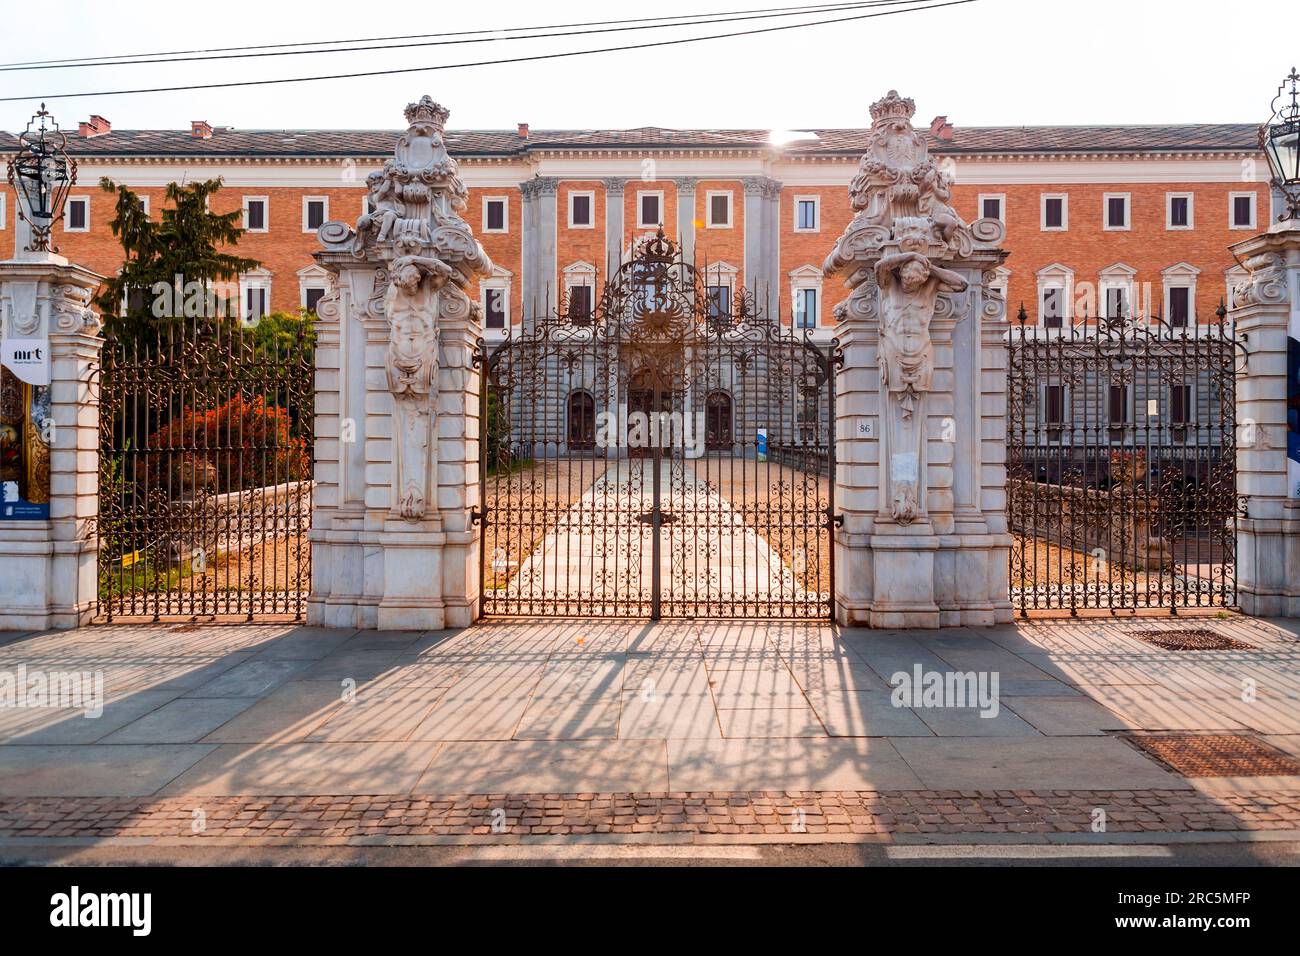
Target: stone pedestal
(397,401)
(48,568)
(1266,311)
(920,398)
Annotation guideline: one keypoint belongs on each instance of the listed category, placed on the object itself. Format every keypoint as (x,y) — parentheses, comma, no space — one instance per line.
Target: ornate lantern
(1280,140)
(41,174)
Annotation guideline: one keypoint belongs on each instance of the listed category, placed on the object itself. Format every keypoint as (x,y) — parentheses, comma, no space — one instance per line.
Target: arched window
(582,421)
(717,422)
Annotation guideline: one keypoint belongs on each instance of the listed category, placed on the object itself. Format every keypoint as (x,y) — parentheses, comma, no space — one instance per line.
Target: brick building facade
(1137,218)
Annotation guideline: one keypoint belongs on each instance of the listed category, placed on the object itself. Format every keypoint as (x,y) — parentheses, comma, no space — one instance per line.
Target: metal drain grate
(1191,639)
(1215,755)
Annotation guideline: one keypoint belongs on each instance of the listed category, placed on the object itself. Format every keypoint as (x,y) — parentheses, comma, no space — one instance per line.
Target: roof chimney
(200,129)
(523,130)
(940,127)
(95,126)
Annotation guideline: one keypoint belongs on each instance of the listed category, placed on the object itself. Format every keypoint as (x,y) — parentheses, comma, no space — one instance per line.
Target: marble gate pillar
(920,398)
(1266,315)
(393,545)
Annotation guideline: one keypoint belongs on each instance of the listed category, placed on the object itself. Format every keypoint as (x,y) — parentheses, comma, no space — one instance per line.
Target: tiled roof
(379,143)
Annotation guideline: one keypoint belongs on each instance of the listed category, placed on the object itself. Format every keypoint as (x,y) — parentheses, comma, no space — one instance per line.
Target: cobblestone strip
(772,813)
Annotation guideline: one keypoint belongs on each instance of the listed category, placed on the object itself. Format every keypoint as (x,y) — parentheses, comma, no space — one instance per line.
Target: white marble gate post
(393,544)
(921,397)
(1265,313)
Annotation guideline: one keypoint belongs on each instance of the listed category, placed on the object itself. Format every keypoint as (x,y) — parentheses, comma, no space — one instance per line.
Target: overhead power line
(921,5)
(329,46)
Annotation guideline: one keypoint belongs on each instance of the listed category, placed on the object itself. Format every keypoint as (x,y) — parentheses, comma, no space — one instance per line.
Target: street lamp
(41,173)
(1280,140)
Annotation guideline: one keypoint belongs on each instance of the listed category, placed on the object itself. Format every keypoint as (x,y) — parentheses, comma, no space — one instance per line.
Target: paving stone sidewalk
(495,817)
(686,729)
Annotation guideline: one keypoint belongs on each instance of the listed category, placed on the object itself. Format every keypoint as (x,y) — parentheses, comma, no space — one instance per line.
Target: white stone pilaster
(49,567)
(1266,310)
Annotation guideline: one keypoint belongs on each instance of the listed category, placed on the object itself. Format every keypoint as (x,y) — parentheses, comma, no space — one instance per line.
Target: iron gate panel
(665,454)
(1121,465)
(205,471)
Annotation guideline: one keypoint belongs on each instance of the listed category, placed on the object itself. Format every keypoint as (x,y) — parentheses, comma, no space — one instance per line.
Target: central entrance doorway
(655,456)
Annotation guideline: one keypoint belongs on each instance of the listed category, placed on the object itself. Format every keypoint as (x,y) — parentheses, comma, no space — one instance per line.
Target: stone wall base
(45,584)
(926,581)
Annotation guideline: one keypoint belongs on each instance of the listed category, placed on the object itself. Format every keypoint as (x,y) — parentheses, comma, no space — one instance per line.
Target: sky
(987,62)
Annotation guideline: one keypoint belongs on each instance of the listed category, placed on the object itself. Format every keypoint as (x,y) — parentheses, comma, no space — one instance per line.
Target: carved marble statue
(909,285)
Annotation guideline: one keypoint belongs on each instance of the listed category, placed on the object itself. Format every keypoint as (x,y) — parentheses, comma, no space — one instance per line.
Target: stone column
(755,235)
(544,242)
(613,223)
(49,566)
(771,268)
(393,542)
(920,397)
(1266,311)
(686,216)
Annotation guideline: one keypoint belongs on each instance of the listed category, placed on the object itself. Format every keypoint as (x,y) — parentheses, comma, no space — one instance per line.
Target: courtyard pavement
(733,731)
(709,554)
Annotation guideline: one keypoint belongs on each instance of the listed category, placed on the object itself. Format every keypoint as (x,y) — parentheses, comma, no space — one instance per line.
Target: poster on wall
(25,429)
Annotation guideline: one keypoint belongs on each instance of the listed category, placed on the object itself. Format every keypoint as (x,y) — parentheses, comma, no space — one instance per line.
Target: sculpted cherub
(936,200)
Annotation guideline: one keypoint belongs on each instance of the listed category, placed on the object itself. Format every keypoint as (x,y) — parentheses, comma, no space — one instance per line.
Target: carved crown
(892,106)
(427,111)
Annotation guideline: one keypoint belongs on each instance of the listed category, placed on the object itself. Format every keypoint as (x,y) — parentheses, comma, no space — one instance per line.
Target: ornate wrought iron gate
(1121,465)
(205,472)
(666,453)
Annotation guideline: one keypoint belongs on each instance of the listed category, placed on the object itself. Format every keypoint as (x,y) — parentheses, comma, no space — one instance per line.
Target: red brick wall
(573,244)
(505,249)
(719,244)
(1086,247)
(811,248)
(1148,246)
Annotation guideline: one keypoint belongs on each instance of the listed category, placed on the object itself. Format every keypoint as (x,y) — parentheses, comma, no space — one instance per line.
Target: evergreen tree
(186,240)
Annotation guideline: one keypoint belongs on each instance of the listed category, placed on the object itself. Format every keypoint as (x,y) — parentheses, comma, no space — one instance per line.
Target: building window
(807,214)
(1051,308)
(806,309)
(993,207)
(2,211)
(580,210)
(494,214)
(649,210)
(1116,206)
(255,302)
(1056,213)
(311,295)
(315,211)
(1117,406)
(1054,405)
(255,214)
(719,301)
(495,307)
(582,421)
(1241,210)
(580,304)
(1180,404)
(1178,211)
(76,214)
(1116,302)
(1180,306)
(719,210)
(717,422)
